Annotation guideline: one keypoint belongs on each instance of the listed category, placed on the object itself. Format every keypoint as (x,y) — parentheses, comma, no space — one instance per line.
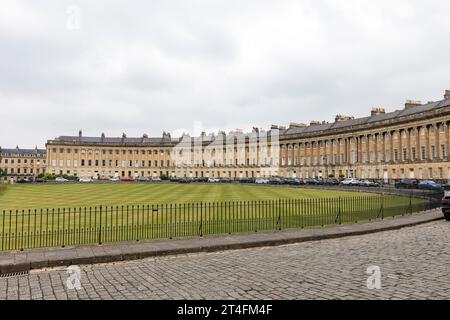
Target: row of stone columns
(382,141)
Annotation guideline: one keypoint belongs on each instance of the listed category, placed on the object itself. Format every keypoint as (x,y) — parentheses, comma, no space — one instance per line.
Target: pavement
(409,263)
(15,262)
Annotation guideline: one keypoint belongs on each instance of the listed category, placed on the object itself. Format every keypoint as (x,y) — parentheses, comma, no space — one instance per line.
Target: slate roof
(210,139)
(368,120)
(23,152)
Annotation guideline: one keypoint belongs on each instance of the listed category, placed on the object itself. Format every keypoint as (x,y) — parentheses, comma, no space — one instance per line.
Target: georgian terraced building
(409,143)
(21,163)
(236,155)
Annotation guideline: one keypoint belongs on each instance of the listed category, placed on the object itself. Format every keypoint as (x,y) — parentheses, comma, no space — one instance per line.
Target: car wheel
(447,216)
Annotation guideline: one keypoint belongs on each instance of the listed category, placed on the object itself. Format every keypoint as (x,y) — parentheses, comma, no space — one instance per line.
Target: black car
(312,182)
(24,180)
(293,182)
(275,181)
(406,184)
(40,180)
(225,180)
(185,180)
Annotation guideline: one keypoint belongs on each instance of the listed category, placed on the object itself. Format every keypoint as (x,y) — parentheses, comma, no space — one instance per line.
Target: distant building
(22,163)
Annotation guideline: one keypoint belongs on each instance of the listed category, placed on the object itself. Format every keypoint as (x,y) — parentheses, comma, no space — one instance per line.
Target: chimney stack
(297,125)
(340,118)
(412,104)
(377,111)
(166,136)
(80,133)
(447,95)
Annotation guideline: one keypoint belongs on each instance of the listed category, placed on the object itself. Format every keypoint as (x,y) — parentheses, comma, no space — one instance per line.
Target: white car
(115,179)
(59,179)
(86,180)
(261,181)
(349,182)
(156,179)
(213,180)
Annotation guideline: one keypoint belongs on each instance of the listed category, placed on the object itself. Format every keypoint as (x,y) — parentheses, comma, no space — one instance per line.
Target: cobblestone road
(414,263)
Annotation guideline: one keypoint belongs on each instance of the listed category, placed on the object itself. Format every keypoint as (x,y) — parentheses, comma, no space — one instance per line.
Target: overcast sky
(149,66)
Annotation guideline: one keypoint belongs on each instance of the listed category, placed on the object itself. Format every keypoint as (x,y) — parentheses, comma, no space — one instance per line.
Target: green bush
(164,177)
(51,177)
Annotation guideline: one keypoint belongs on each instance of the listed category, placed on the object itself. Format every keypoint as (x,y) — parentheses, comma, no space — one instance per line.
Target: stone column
(375,148)
(447,140)
(408,137)
(358,150)
(418,144)
(400,145)
(368,149)
(437,141)
(391,146)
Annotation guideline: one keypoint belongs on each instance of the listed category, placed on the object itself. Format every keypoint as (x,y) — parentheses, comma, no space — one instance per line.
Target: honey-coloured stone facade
(413,142)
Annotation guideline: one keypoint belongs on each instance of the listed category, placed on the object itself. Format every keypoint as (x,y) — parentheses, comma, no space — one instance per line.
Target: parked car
(261,181)
(185,180)
(294,182)
(127,179)
(25,180)
(331,182)
(406,184)
(350,182)
(225,180)
(174,179)
(312,181)
(246,180)
(429,185)
(446,205)
(86,180)
(275,181)
(142,179)
(59,179)
(40,180)
(213,180)
(115,179)
(156,179)
(368,183)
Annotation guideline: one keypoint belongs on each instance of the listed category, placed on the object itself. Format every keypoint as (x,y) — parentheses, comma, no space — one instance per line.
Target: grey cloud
(153,66)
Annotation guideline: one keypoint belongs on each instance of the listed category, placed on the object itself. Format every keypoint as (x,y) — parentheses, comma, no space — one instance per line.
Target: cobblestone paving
(414,263)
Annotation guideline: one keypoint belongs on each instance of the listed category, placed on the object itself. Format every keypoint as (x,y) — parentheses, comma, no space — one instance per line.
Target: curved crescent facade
(410,143)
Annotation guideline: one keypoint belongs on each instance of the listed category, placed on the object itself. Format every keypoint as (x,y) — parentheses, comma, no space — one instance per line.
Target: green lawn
(82,195)
(34,216)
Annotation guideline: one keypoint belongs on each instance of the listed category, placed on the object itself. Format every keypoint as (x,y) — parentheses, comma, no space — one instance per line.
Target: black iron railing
(26,229)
